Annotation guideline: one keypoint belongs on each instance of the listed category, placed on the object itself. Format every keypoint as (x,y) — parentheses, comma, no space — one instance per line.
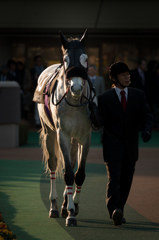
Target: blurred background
(117,31)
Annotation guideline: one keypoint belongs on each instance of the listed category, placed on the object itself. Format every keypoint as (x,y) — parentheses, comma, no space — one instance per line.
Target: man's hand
(92,106)
(146,136)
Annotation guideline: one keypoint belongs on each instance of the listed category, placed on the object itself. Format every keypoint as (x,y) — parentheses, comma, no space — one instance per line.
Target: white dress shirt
(118,90)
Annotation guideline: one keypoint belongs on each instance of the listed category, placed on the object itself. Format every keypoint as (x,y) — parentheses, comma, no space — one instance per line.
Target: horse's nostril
(76,89)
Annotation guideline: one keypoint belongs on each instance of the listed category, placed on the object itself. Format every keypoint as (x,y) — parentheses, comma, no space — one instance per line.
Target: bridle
(52,82)
(88,99)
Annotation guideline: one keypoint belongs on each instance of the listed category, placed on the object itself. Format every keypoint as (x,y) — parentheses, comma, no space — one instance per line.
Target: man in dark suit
(11,75)
(97,81)
(121,110)
(139,78)
(3,73)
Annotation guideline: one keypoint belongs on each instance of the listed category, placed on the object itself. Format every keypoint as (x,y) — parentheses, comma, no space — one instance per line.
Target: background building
(117,30)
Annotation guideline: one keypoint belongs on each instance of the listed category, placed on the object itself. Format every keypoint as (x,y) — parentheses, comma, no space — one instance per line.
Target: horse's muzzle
(76,72)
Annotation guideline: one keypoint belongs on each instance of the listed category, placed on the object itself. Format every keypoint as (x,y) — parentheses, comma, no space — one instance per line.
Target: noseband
(89,99)
(81,104)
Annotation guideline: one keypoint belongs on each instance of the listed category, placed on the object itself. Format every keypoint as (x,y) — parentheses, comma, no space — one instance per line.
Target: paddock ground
(24,191)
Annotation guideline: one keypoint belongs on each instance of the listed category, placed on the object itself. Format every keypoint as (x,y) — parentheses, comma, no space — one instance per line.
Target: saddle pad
(47,108)
(43,89)
(39,94)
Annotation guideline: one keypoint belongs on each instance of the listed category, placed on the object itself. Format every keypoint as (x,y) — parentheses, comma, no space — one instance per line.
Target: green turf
(33,140)
(21,205)
(24,205)
(93,220)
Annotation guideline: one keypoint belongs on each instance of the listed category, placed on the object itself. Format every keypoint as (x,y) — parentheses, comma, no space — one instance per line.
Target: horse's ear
(63,40)
(82,38)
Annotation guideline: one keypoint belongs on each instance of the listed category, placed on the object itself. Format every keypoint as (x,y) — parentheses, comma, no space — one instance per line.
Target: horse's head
(75,64)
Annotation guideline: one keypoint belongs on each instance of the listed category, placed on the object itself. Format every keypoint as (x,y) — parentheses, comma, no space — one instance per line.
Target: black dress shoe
(117,216)
(123,220)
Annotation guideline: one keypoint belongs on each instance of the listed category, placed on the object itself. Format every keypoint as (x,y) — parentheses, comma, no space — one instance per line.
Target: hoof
(54,214)
(71,220)
(64,212)
(76,208)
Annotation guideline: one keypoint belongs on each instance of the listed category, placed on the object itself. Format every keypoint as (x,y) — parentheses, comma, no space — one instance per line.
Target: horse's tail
(42,140)
(60,160)
(56,149)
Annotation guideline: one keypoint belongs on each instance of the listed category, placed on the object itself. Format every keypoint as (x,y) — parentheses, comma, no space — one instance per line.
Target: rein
(89,99)
(53,91)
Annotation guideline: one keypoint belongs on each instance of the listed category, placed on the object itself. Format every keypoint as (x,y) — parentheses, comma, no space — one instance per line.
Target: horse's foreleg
(64,212)
(73,156)
(54,213)
(51,165)
(65,144)
(80,173)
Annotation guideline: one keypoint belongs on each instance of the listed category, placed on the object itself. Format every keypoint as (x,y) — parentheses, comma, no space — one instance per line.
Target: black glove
(92,106)
(146,136)
(94,121)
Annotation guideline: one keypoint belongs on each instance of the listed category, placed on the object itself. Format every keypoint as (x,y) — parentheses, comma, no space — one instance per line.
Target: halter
(53,80)
(90,98)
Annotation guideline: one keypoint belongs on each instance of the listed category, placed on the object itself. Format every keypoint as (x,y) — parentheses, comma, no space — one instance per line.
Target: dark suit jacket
(11,77)
(122,128)
(99,85)
(136,82)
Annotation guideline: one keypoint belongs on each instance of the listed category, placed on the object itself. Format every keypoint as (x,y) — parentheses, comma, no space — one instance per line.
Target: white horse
(70,140)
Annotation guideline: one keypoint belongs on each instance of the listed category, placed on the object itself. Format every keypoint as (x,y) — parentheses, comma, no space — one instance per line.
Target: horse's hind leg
(73,156)
(48,146)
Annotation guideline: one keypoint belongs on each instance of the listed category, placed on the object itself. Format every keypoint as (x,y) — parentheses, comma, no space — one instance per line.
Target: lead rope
(55,104)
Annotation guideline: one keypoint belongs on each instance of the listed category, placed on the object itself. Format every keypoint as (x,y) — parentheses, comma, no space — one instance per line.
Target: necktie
(123,100)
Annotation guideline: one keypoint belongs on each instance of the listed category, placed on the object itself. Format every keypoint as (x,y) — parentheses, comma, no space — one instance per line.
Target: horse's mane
(72,39)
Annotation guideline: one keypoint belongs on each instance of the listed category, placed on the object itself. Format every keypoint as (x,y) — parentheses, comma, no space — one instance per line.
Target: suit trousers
(120,175)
